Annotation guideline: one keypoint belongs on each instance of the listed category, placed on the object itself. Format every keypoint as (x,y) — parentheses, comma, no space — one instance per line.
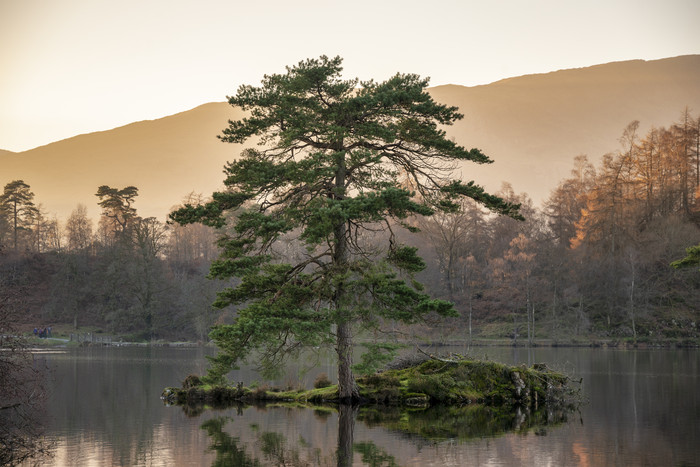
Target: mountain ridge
(531,126)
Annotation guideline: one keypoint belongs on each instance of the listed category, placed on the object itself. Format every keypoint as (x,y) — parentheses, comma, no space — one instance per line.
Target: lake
(642,408)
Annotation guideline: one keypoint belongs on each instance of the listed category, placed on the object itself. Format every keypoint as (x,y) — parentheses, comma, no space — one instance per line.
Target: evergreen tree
(331,165)
(117,206)
(16,203)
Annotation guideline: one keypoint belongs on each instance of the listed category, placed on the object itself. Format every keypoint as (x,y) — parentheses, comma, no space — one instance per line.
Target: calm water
(104,409)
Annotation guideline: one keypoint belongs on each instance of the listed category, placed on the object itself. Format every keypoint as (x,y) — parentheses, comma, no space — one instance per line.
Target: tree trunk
(15,226)
(346,428)
(532,307)
(554,306)
(471,309)
(530,329)
(450,285)
(347,389)
(634,327)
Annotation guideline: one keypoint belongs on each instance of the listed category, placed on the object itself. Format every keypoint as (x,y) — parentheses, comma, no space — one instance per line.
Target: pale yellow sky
(76,66)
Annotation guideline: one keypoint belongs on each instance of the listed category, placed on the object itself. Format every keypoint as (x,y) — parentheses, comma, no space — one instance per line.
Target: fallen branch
(444,360)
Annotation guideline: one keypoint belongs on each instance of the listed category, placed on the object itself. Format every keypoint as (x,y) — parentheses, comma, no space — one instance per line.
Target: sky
(69,67)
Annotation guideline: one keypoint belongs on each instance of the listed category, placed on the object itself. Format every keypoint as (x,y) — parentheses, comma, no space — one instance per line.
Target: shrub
(192,381)
(260,393)
(322,381)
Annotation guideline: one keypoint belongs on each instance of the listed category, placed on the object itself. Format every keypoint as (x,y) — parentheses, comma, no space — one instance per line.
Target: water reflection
(22,403)
(227,449)
(254,446)
(373,455)
(276,449)
(262,448)
(441,423)
(104,409)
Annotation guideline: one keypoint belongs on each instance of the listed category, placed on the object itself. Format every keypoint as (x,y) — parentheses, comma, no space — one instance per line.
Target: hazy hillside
(532,126)
(165,158)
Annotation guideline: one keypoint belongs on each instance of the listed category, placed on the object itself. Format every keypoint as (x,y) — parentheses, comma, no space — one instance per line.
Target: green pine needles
(692,258)
(340,165)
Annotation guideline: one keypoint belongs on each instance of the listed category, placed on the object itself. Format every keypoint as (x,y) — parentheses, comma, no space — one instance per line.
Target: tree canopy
(117,205)
(336,161)
(17,208)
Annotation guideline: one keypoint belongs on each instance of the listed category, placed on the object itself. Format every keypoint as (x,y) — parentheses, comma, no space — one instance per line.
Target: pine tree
(331,166)
(16,203)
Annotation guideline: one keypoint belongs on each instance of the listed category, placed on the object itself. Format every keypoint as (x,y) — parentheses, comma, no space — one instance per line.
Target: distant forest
(592,263)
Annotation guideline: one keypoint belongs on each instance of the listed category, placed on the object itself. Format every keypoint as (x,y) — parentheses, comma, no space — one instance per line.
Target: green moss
(431,382)
(469,381)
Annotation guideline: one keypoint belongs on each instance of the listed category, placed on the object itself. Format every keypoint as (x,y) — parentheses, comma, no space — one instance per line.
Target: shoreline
(63,342)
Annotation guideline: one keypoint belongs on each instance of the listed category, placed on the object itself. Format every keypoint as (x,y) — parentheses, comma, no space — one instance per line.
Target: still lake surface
(104,409)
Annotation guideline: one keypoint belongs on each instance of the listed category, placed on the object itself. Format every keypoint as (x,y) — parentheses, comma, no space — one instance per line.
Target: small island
(420,382)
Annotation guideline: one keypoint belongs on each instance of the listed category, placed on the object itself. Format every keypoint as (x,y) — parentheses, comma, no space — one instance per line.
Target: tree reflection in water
(22,390)
(275,448)
(228,451)
(440,422)
(417,426)
(374,456)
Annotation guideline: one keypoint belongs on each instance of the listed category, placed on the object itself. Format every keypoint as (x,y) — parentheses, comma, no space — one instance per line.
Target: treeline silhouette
(134,276)
(592,262)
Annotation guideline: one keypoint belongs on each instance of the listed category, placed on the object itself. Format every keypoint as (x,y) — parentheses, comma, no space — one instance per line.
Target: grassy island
(432,381)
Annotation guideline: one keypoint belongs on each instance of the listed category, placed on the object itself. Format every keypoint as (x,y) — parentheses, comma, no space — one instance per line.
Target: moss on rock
(467,381)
